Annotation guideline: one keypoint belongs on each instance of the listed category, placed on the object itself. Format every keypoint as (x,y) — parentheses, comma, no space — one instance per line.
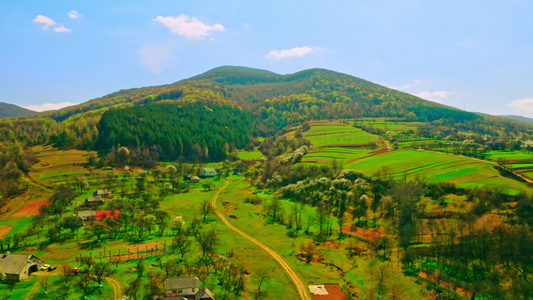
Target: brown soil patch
(144,247)
(30,209)
(334,293)
(228,205)
(317,258)
(233,217)
(445,284)
(330,244)
(367,234)
(4,230)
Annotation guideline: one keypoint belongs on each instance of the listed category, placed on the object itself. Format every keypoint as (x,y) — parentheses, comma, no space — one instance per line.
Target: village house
(94,201)
(103,193)
(208,172)
(17,267)
(87,215)
(236,171)
(187,287)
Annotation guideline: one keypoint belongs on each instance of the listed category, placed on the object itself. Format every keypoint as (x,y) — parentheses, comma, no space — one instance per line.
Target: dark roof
(179,283)
(205,293)
(14,263)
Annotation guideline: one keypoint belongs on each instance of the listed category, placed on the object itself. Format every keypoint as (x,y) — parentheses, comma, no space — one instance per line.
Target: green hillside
(12,111)
(273,100)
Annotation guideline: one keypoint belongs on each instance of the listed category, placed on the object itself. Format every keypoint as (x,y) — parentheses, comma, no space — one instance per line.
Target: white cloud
(429,95)
(294,52)
(153,56)
(46,21)
(188,27)
(405,86)
(523,104)
(74,15)
(49,106)
(62,29)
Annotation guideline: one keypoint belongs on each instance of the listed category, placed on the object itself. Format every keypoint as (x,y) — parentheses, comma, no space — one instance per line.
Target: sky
(476,55)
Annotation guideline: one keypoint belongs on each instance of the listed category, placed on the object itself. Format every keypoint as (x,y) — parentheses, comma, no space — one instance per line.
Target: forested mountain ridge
(274,100)
(12,111)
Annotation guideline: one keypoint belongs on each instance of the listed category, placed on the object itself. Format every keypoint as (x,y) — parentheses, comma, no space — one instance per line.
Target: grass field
(331,134)
(250,155)
(438,167)
(339,154)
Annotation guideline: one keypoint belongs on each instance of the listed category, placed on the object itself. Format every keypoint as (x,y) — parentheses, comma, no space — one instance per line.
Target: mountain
(520,118)
(271,100)
(250,88)
(12,111)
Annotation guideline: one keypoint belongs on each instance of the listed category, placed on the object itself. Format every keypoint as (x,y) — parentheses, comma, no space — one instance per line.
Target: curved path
(117,288)
(300,287)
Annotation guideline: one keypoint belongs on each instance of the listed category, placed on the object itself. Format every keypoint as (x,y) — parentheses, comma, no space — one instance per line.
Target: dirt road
(117,287)
(300,287)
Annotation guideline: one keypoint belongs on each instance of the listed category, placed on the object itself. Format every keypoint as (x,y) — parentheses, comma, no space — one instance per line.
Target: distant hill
(520,118)
(272,101)
(11,111)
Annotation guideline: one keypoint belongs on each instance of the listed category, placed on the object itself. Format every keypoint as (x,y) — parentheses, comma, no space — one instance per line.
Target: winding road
(117,287)
(300,287)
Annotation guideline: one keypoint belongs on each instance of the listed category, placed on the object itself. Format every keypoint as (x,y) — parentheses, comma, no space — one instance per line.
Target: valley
(261,185)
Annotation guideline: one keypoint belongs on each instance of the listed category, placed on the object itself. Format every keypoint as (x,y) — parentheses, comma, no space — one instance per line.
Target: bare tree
(100,271)
(262,274)
(208,240)
(205,209)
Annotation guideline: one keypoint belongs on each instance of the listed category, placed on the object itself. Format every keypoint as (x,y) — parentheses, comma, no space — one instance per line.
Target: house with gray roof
(103,193)
(187,287)
(87,215)
(19,266)
(94,201)
(208,172)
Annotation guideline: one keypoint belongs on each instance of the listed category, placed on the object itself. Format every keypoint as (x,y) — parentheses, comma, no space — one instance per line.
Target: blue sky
(55,53)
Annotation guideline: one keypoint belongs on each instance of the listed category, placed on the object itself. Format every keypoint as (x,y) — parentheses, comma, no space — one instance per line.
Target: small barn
(208,172)
(236,171)
(181,286)
(103,193)
(94,201)
(87,215)
(17,267)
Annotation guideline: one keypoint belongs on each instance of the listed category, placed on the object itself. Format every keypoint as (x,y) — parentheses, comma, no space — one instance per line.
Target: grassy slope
(246,217)
(432,166)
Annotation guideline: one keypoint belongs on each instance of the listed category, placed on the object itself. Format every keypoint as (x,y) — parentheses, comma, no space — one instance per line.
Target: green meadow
(323,134)
(437,167)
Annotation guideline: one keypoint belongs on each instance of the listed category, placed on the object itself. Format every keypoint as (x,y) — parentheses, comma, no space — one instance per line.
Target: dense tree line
(14,162)
(193,131)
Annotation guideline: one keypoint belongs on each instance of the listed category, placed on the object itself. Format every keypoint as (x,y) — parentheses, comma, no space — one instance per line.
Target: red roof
(102,214)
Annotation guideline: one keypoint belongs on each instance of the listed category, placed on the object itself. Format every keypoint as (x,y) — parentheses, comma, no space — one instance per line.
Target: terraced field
(334,134)
(339,154)
(438,167)
(388,126)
